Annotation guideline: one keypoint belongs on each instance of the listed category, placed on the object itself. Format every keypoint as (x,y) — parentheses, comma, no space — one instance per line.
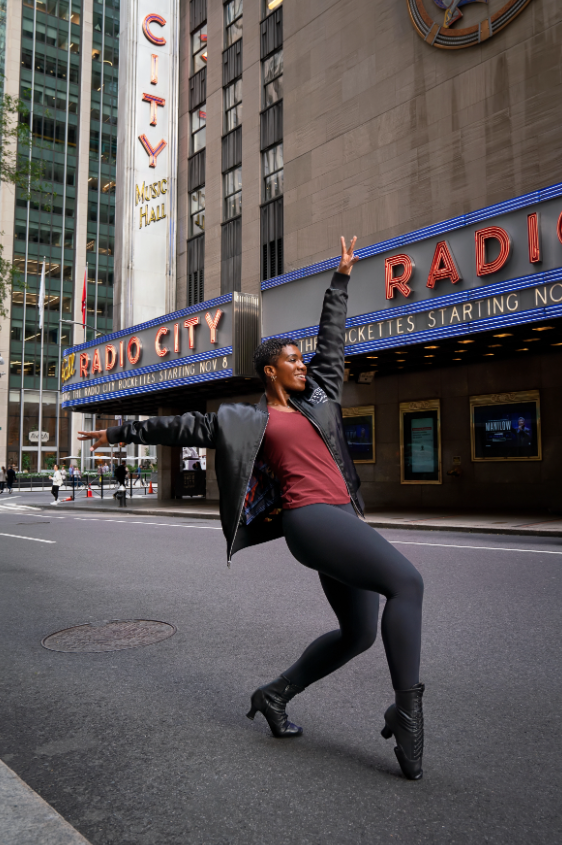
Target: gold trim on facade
(413,407)
(445,38)
(505,399)
(363,411)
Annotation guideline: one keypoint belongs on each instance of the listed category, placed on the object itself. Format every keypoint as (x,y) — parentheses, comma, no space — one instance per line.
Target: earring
(273,378)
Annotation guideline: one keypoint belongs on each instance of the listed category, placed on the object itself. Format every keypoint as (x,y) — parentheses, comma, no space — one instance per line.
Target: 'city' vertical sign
(145,221)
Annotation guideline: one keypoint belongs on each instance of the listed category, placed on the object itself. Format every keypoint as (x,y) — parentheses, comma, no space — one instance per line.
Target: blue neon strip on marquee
(549,312)
(176,315)
(152,368)
(421,234)
(509,286)
(148,388)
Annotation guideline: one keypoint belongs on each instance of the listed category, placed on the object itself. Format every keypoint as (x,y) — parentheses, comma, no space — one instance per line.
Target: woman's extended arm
(327,365)
(192,429)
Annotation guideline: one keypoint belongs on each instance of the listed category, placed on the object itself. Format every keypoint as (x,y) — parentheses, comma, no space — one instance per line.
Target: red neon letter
(213,323)
(154,103)
(400,282)
(483,268)
(443,266)
(96,363)
(176,337)
(152,152)
(154,69)
(160,333)
(110,356)
(559,228)
(190,325)
(154,39)
(84,364)
(121,354)
(134,341)
(534,238)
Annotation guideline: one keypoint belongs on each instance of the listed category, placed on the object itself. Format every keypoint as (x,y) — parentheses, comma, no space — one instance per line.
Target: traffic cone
(150,490)
(68,500)
(89,494)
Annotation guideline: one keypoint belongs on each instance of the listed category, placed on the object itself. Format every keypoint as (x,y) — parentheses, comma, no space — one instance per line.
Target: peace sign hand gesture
(348,259)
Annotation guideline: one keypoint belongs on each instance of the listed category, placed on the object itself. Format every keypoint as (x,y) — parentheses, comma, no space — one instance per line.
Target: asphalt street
(150,745)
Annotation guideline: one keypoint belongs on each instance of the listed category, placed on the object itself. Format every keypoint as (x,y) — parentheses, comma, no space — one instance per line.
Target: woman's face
(290,369)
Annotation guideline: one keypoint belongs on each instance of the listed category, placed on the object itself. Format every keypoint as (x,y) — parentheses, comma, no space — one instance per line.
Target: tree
(18,168)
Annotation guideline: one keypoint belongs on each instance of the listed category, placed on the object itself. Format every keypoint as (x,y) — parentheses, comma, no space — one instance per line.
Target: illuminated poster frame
(506,426)
(363,416)
(412,442)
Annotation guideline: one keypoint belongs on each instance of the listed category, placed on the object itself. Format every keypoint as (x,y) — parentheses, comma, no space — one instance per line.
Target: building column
(169,461)
(11,71)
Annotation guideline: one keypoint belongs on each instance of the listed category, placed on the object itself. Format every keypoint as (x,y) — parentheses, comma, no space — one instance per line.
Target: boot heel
(386,732)
(251,713)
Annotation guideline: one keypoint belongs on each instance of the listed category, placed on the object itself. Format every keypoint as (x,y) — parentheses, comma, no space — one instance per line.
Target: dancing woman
(283,469)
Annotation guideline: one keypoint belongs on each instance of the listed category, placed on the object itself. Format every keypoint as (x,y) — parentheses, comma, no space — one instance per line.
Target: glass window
(233,105)
(233,21)
(273,92)
(198,124)
(199,48)
(197,212)
(273,67)
(273,172)
(232,193)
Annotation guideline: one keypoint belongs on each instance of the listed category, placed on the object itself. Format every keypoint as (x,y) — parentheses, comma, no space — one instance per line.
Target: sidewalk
(497,522)
(25,819)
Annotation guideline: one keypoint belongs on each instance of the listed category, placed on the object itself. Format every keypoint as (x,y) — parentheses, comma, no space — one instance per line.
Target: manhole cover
(113,635)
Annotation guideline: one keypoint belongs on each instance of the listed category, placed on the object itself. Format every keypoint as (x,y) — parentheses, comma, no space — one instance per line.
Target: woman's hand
(99,438)
(348,259)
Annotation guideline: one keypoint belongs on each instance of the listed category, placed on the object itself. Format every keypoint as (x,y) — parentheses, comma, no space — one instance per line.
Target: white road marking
(485,548)
(135,522)
(21,537)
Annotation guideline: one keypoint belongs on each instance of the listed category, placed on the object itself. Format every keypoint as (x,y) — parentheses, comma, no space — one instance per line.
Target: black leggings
(355,564)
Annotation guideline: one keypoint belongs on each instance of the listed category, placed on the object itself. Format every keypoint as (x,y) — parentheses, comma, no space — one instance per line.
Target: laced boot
(405,720)
(271,701)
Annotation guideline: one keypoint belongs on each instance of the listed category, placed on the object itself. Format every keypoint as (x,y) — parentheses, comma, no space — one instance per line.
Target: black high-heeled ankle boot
(271,701)
(405,720)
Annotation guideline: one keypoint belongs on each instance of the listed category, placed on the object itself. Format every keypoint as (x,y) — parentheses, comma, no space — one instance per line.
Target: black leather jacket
(237,431)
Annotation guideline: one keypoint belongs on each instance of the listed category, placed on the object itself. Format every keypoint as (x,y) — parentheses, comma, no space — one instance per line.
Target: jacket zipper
(229,558)
(329,448)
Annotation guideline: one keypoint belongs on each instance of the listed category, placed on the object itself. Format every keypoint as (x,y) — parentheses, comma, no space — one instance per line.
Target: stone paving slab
(25,819)
(530,523)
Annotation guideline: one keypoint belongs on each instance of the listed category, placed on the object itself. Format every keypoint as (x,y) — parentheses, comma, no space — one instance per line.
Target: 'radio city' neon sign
(399,269)
(106,359)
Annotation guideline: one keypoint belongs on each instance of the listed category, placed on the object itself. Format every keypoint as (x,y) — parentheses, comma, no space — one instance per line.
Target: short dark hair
(268,352)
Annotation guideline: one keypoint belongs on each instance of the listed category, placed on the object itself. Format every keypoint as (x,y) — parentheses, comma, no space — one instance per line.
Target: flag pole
(41,326)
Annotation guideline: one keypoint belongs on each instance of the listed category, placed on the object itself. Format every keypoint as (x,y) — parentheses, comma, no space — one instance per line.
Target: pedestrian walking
(2,479)
(283,469)
(57,480)
(10,478)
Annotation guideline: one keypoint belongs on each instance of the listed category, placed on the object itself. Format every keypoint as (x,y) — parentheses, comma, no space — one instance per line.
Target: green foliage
(25,461)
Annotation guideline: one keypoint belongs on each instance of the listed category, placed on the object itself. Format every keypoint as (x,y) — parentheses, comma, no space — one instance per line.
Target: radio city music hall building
(252,136)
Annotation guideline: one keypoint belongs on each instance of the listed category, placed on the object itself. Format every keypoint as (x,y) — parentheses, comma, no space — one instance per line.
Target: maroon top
(302,462)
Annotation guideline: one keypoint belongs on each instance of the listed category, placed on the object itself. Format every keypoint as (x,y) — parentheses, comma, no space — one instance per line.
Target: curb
(26,819)
(371,520)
